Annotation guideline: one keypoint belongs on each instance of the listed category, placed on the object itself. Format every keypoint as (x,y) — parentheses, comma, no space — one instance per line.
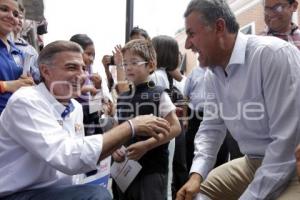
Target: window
(248,29)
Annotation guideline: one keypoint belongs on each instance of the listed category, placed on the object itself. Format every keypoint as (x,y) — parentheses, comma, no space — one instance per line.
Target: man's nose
(188,44)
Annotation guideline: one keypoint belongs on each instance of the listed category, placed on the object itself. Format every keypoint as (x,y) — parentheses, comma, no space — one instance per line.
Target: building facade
(250,16)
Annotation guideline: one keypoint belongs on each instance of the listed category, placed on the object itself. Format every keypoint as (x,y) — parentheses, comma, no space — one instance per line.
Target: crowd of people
(234,121)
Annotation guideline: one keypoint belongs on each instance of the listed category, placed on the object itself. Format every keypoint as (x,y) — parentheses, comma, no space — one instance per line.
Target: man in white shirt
(252,88)
(42,142)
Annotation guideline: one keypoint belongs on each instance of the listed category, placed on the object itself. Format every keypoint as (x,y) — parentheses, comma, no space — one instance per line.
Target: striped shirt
(292,36)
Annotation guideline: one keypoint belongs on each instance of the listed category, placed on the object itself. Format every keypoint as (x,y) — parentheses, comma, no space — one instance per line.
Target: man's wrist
(3,87)
(196,177)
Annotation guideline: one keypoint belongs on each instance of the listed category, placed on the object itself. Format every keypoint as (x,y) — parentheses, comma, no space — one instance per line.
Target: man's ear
(220,26)
(44,70)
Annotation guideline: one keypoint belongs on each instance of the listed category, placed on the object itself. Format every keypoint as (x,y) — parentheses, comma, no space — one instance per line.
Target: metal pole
(129,18)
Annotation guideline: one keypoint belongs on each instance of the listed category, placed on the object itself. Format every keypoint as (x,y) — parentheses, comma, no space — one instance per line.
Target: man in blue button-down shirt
(253,89)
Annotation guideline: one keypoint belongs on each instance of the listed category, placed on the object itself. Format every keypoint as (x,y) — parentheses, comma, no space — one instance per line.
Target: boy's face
(136,68)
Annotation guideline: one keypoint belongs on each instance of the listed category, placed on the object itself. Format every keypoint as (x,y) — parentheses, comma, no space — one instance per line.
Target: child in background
(145,98)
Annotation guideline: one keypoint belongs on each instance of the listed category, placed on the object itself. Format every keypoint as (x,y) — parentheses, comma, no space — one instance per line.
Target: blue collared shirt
(9,70)
(259,102)
(194,89)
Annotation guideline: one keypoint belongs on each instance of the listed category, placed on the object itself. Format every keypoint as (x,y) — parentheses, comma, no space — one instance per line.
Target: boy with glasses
(145,98)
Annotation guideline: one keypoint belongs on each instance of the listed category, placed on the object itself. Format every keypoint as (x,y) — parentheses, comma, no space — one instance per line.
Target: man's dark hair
(167,52)
(136,30)
(82,39)
(211,10)
(48,53)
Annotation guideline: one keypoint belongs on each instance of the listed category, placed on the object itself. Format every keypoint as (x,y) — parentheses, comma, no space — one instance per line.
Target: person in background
(42,140)
(145,98)
(195,93)
(29,54)
(278,18)
(91,87)
(167,52)
(11,74)
(253,89)
(138,33)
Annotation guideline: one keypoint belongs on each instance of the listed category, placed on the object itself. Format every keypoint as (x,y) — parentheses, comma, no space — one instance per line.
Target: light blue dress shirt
(194,89)
(259,102)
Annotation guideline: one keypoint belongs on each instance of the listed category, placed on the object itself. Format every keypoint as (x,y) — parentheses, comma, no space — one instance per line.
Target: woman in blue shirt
(11,77)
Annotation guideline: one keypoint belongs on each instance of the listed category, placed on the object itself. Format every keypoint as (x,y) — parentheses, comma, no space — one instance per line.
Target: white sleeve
(165,105)
(160,78)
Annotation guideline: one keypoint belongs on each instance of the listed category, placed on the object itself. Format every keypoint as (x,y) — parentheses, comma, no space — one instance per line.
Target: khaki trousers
(229,181)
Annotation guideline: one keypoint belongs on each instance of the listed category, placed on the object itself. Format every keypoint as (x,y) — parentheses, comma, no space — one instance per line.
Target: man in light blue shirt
(194,92)
(253,89)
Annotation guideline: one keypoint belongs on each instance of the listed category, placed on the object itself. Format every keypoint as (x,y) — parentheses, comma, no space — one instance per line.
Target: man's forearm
(114,138)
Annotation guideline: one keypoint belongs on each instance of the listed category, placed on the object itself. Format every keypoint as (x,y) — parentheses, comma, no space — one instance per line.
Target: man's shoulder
(25,94)
(256,42)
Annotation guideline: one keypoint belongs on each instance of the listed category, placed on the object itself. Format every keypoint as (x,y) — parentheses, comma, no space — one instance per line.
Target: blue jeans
(74,192)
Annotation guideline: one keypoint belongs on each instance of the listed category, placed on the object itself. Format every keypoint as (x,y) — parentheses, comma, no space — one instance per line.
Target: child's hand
(136,150)
(96,79)
(119,155)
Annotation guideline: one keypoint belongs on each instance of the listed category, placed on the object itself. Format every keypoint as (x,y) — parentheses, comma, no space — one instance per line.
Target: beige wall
(254,14)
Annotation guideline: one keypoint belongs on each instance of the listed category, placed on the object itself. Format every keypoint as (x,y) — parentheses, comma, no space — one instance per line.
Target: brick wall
(253,14)
(256,14)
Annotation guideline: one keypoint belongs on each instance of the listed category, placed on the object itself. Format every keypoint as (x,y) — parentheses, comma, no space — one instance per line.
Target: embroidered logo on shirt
(78,128)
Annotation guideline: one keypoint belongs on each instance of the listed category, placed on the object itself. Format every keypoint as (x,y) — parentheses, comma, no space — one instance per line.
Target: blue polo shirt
(9,70)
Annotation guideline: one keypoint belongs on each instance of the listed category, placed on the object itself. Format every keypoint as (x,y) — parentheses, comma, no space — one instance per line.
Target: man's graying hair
(48,52)
(211,10)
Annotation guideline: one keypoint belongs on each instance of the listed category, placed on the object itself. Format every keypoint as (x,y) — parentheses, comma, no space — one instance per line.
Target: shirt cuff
(247,196)
(91,150)
(199,167)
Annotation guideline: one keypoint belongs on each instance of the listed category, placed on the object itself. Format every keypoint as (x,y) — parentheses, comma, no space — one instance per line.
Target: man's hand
(297,154)
(12,86)
(149,125)
(190,188)
(136,150)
